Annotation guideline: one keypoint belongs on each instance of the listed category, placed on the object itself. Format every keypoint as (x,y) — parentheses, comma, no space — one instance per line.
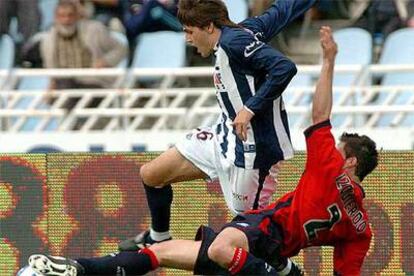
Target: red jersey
(326,206)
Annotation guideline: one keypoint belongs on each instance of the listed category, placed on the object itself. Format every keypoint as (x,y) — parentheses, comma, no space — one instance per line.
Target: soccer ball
(26,271)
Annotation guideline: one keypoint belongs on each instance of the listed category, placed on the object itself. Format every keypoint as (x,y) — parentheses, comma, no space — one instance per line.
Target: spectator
(257,7)
(27,13)
(105,10)
(74,42)
(78,43)
(108,12)
(382,17)
(150,16)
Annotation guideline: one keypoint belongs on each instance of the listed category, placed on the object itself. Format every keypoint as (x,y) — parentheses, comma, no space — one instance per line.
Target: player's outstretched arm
(278,16)
(322,100)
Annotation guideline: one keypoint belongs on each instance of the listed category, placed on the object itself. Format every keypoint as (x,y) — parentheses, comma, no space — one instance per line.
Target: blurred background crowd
(104,33)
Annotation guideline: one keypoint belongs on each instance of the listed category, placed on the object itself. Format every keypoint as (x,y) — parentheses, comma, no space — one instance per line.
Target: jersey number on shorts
(314,225)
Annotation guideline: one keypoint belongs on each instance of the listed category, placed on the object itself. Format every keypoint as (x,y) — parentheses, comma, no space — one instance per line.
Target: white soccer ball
(26,271)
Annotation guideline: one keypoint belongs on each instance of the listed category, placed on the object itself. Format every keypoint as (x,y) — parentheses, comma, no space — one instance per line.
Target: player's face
(199,38)
(350,162)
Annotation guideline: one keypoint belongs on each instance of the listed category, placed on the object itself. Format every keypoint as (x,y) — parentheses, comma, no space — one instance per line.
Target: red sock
(237,263)
(154,261)
(247,264)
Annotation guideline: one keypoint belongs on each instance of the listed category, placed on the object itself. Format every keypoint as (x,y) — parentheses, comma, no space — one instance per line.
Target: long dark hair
(200,13)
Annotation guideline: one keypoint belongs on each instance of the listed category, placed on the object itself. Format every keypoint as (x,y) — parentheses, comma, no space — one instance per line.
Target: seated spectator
(28,21)
(410,14)
(74,42)
(257,7)
(78,43)
(150,16)
(108,12)
(26,12)
(382,17)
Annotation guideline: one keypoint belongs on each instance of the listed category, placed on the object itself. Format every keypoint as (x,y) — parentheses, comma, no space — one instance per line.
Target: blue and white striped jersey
(250,73)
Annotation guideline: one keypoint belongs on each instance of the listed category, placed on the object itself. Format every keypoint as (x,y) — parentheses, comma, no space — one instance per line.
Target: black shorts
(264,235)
(203,264)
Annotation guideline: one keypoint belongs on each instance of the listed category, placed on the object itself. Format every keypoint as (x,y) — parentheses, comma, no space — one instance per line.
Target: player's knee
(148,176)
(220,252)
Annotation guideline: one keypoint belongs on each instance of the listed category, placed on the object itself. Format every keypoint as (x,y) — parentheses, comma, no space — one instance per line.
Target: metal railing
(361,104)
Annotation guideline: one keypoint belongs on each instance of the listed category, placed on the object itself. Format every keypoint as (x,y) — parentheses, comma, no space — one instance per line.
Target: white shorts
(243,189)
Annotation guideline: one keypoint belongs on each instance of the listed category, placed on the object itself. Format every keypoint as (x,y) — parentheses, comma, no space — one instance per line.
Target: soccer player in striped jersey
(326,208)
(252,133)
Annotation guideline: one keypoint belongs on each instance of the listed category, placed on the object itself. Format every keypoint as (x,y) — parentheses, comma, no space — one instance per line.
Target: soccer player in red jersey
(325,209)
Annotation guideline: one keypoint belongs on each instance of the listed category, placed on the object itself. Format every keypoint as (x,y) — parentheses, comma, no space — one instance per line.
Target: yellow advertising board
(80,205)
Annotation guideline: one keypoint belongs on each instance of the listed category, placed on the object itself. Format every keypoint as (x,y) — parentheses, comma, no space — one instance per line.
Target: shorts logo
(249,148)
(240,197)
(242,224)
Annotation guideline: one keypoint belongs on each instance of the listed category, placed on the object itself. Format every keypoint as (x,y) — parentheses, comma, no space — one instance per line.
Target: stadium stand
(355,48)
(47,11)
(6,52)
(238,9)
(398,49)
(296,95)
(151,53)
(371,98)
(6,58)
(174,106)
(123,39)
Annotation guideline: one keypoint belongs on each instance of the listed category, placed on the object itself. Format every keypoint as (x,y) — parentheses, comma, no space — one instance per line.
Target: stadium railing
(182,108)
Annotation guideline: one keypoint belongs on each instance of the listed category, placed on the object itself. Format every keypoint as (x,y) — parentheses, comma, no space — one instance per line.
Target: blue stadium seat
(6,52)
(6,56)
(238,9)
(292,97)
(398,49)
(300,80)
(164,49)
(34,83)
(47,12)
(354,48)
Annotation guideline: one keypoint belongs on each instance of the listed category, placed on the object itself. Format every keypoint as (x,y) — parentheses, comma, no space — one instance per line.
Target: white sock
(285,271)
(159,236)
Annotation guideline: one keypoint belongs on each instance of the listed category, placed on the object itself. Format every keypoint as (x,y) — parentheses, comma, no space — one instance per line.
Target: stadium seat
(47,12)
(34,83)
(398,49)
(124,41)
(6,52)
(295,95)
(164,49)
(238,9)
(6,56)
(354,48)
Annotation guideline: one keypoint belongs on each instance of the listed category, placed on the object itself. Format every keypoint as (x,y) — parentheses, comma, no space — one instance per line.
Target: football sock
(285,269)
(159,202)
(244,263)
(130,263)
(159,236)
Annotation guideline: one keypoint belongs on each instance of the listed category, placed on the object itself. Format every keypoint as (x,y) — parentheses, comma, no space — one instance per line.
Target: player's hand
(241,123)
(329,47)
